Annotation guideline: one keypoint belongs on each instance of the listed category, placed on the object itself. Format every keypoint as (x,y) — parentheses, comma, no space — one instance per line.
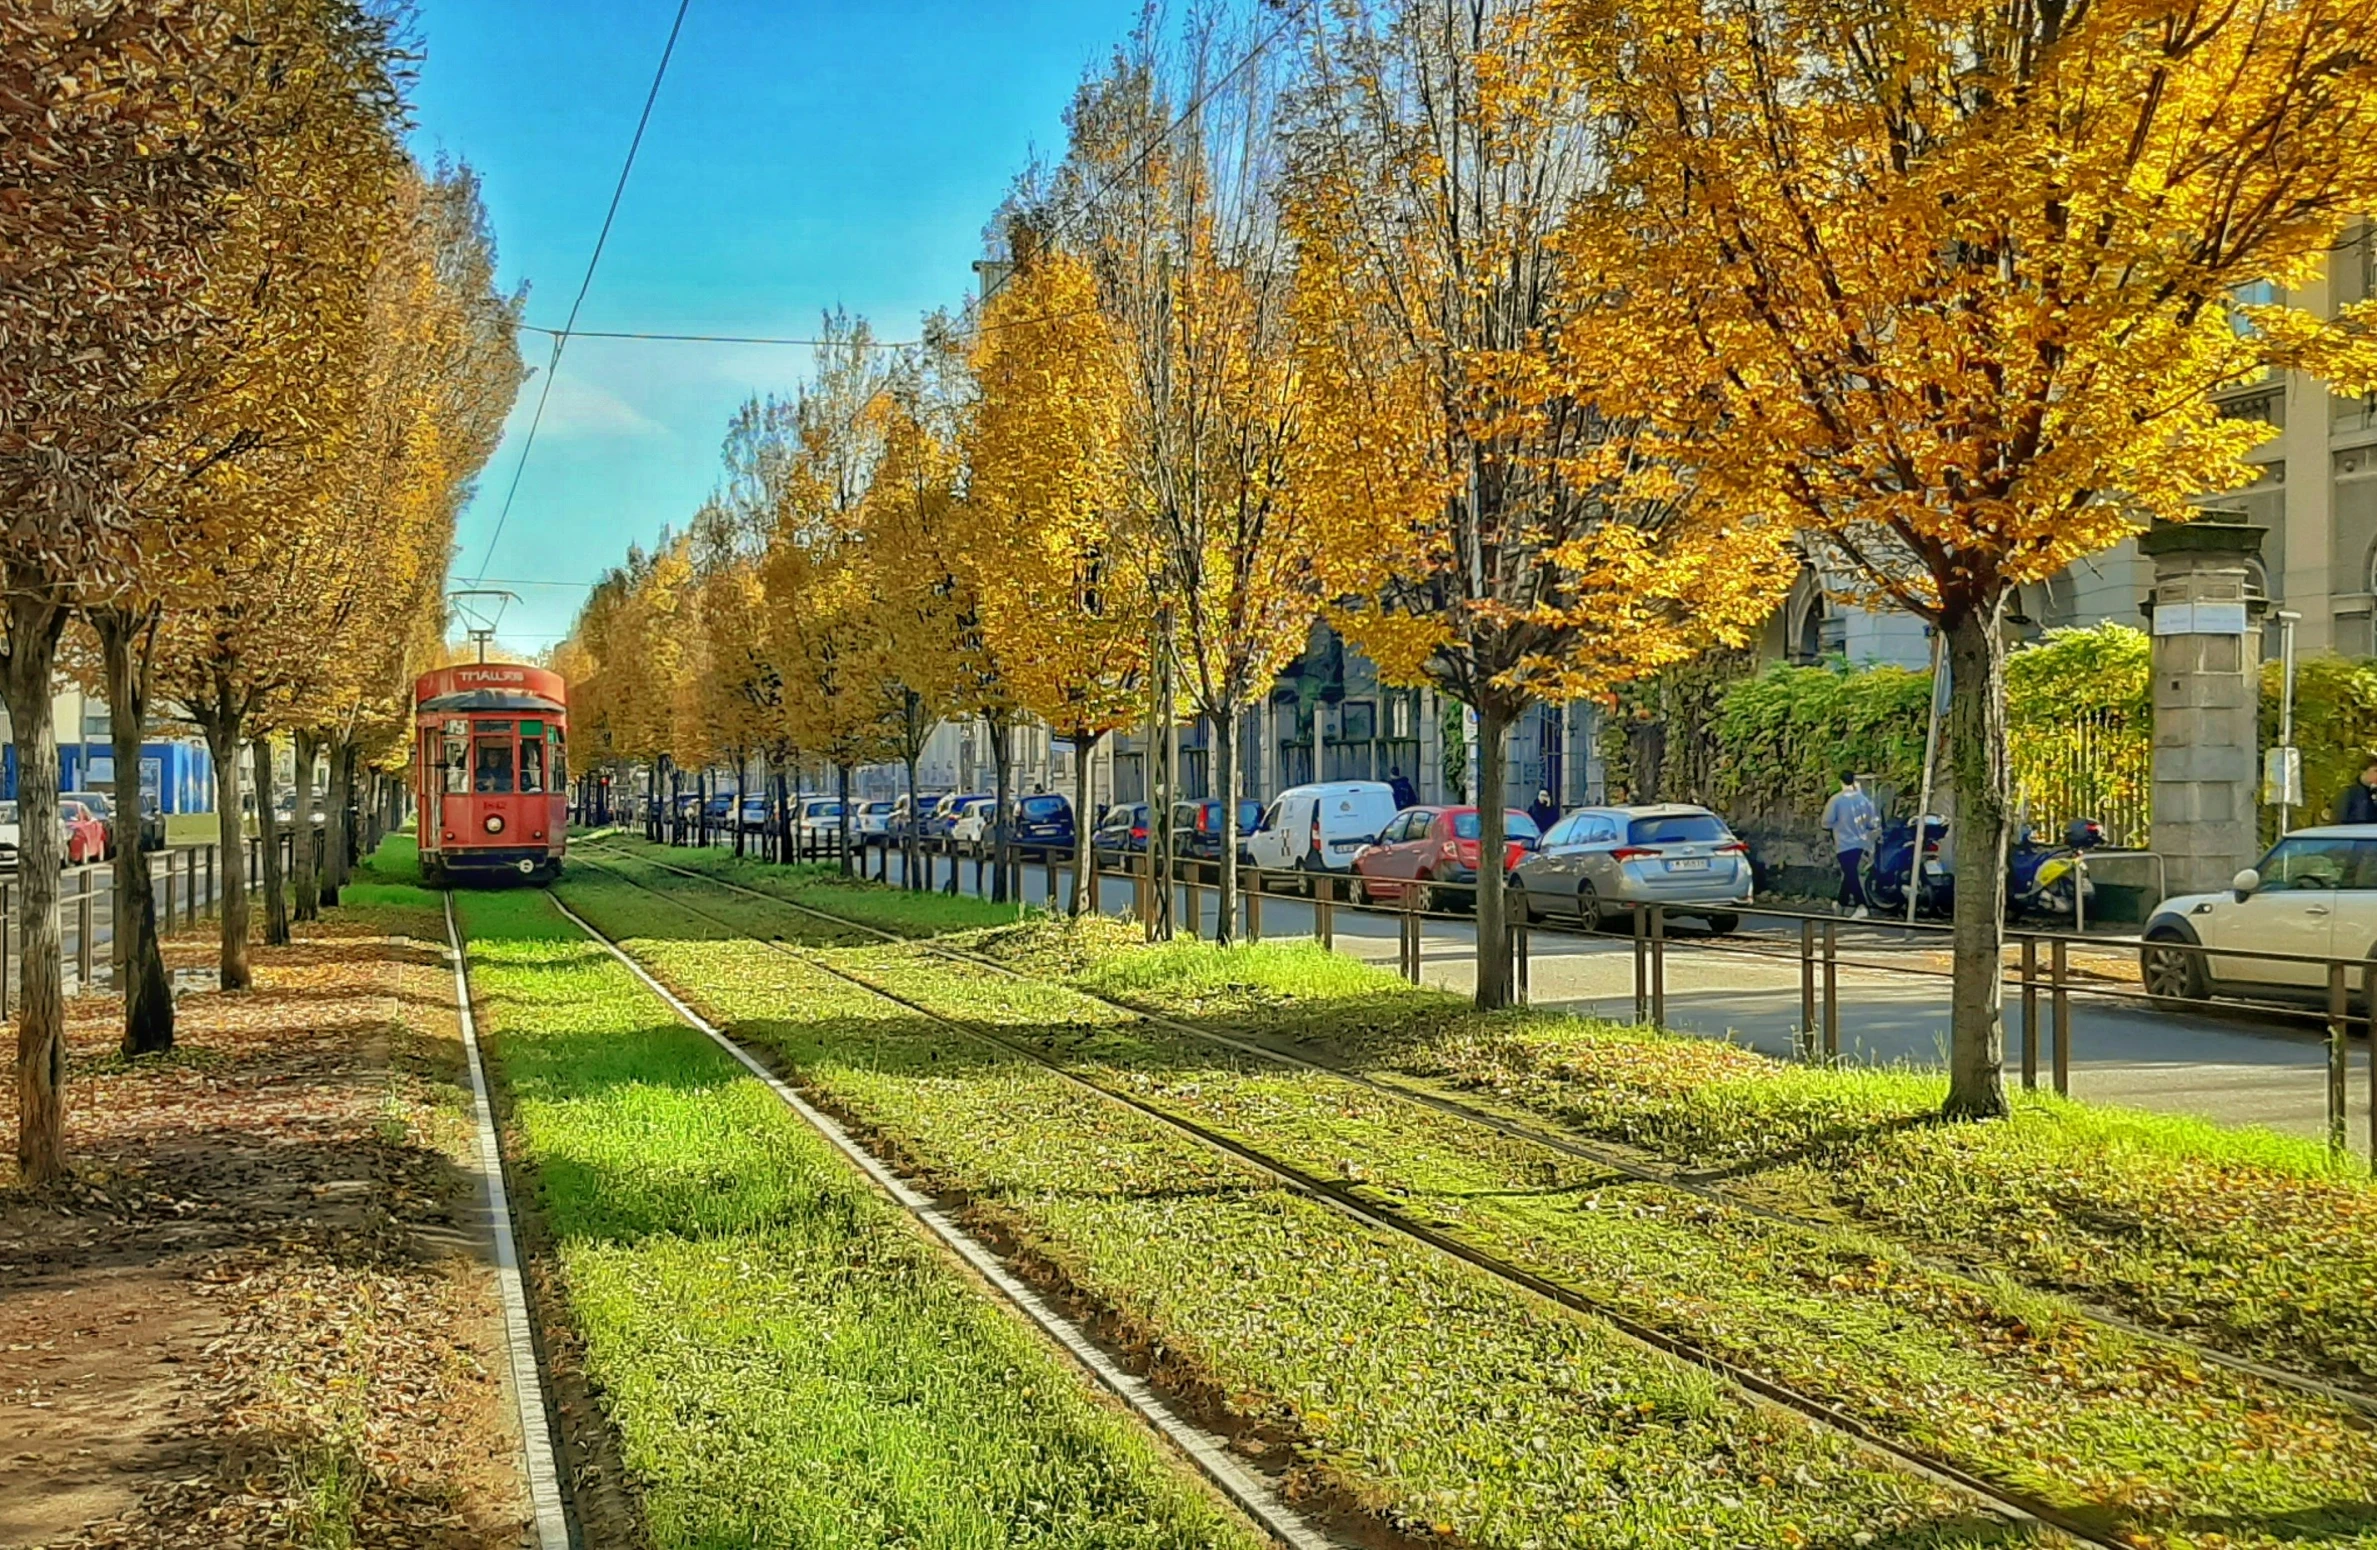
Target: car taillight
(1737,848)
(1633,853)
(1138,831)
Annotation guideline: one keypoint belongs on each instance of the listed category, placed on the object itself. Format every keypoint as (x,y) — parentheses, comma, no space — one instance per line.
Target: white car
(970,827)
(818,820)
(1321,828)
(2314,897)
(872,822)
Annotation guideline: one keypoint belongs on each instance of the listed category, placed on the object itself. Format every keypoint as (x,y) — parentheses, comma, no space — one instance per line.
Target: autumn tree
(1951,286)
(1512,549)
(122,145)
(823,629)
(1171,184)
(1059,570)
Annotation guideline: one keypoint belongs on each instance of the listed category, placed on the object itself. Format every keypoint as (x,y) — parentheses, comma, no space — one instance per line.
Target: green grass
(785,1359)
(2259,1243)
(1399,1379)
(2009,1384)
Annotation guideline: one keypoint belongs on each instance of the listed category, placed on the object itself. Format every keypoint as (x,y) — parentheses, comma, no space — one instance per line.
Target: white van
(1320,827)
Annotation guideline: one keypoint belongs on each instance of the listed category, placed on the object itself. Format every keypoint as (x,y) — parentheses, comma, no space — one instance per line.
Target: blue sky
(802,156)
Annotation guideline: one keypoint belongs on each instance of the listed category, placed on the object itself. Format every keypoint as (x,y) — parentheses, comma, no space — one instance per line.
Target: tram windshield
(492,773)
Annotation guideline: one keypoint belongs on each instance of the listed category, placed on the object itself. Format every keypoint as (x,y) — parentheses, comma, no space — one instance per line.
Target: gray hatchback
(1599,859)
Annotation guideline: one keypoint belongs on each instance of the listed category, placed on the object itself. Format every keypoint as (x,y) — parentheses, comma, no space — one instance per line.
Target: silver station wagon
(1597,860)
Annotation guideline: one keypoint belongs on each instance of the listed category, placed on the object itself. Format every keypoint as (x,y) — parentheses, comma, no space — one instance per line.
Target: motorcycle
(1893,865)
(2047,879)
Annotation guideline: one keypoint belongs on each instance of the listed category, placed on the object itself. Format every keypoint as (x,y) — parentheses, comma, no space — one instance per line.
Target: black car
(1044,819)
(1121,834)
(1197,827)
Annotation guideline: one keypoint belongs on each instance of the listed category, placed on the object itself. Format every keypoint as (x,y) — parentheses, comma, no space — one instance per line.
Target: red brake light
(1632,853)
(1737,848)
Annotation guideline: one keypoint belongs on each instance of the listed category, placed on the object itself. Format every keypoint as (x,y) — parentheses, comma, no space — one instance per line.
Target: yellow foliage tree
(1949,286)
(1504,543)
(1060,572)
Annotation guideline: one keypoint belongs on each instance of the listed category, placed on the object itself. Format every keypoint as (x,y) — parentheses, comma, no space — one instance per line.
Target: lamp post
(2287,777)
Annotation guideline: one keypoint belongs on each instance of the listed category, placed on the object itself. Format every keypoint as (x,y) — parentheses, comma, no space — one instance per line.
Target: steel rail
(1567,1145)
(2006,1501)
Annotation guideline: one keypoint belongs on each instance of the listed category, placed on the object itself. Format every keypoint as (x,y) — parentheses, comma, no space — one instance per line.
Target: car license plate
(1688,864)
(1345,844)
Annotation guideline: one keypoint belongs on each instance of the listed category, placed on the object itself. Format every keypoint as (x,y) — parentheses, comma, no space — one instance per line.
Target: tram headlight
(495,823)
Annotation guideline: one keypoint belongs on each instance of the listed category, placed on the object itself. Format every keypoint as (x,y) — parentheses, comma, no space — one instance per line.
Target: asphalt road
(2236,1066)
(100,879)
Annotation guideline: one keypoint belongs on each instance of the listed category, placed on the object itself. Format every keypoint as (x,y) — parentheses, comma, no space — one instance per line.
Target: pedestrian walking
(2358,804)
(1854,825)
(1406,794)
(1544,811)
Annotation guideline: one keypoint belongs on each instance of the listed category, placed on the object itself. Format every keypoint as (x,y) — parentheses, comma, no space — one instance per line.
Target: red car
(85,837)
(1425,847)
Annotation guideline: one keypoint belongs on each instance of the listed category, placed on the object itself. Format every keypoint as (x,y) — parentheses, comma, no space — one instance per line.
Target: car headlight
(495,823)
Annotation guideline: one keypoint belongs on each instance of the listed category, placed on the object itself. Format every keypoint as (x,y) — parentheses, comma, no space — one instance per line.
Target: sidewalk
(257,1315)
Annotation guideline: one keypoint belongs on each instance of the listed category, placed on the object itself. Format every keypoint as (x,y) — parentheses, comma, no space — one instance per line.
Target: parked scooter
(2047,879)
(1893,864)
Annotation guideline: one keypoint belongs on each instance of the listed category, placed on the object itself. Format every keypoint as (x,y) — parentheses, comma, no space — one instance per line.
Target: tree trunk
(231,954)
(33,625)
(1225,761)
(306,885)
(1002,765)
(124,638)
(337,826)
(1984,797)
(910,849)
(1493,952)
(268,851)
(1083,869)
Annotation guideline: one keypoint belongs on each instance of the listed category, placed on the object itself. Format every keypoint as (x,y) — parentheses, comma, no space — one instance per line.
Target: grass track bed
(2249,1241)
(1402,1381)
(2005,1383)
(785,1359)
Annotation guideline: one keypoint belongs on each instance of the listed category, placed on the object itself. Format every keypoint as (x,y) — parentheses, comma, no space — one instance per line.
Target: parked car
(1599,858)
(1044,819)
(101,807)
(872,822)
(970,822)
(818,820)
(1431,851)
(721,808)
(906,820)
(2314,894)
(1120,834)
(754,812)
(85,837)
(1197,828)
(1321,828)
(942,818)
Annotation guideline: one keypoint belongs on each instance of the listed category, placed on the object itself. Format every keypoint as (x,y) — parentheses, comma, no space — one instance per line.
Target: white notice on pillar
(2199,618)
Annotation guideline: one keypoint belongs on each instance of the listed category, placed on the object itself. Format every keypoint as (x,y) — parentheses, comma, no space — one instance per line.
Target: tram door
(451,773)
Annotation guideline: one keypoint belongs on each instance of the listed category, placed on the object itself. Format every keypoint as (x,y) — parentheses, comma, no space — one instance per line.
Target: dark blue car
(1197,827)
(1043,818)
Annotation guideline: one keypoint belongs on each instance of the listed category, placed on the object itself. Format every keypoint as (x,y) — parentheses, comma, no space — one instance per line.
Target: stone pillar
(2205,614)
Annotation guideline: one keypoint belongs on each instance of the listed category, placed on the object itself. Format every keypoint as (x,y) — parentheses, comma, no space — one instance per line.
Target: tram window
(494,768)
(560,759)
(456,762)
(532,765)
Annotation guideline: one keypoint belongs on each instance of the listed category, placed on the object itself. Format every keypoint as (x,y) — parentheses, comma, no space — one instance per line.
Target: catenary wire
(561,339)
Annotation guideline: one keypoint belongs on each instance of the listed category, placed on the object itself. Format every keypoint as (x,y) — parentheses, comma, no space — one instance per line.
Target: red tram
(491,767)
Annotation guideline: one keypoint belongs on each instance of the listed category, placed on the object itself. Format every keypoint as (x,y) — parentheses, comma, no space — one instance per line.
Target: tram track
(1568,1145)
(1208,1454)
(2010,1503)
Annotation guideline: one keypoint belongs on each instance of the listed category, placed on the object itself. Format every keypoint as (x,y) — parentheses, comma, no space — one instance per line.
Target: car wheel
(2172,975)
(1357,888)
(1518,904)
(1588,905)
(1724,923)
